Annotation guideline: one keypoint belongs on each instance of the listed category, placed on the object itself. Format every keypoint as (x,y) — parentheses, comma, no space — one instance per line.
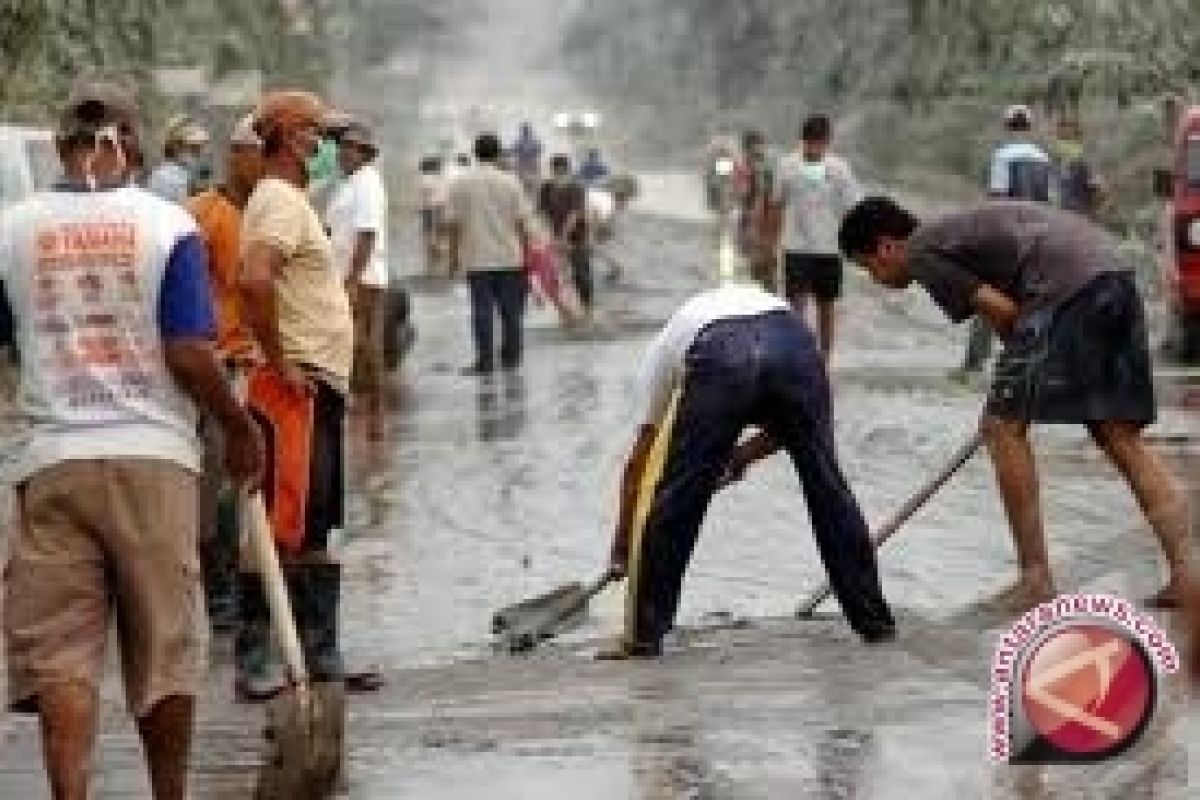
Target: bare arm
(631,481)
(364,246)
(997,308)
(193,365)
(260,266)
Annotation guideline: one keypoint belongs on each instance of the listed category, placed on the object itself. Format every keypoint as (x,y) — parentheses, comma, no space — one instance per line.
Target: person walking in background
(489,221)
(1080,188)
(593,171)
(527,158)
(562,202)
(432,189)
(115,321)
(298,310)
(1019,170)
(814,189)
(358,220)
(218,215)
(183,146)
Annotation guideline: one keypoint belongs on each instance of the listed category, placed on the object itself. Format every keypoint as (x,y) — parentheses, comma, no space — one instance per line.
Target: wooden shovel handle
(262,543)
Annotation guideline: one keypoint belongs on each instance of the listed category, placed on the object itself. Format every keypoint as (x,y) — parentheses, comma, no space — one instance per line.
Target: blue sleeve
(185,306)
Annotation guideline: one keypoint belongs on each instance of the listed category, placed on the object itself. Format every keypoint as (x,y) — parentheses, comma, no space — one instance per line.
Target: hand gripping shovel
(904,514)
(306,721)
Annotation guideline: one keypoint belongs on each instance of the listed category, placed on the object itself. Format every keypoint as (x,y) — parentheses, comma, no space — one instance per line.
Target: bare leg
(1016,475)
(167,739)
(826,317)
(68,714)
(1159,496)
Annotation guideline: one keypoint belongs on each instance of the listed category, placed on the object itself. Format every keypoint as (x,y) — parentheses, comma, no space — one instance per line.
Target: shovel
(904,514)
(522,626)
(306,721)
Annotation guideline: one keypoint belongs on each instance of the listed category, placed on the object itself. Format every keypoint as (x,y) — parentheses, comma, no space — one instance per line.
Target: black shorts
(812,273)
(1087,361)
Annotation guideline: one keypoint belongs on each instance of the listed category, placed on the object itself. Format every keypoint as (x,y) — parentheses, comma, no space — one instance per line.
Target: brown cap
(288,110)
(93,105)
(357,133)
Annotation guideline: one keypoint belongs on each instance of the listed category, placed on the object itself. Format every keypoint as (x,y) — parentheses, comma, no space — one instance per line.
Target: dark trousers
(581,275)
(502,292)
(764,371)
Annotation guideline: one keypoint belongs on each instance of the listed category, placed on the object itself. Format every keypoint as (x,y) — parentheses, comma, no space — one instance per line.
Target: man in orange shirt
(218,214)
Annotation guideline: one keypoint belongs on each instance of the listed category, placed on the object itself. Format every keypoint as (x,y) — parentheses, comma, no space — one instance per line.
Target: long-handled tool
(306,721)
(522,626)
(904,514)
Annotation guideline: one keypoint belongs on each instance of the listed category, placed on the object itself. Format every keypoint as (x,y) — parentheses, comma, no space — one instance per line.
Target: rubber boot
(315,591)
(255,680)
(219,557)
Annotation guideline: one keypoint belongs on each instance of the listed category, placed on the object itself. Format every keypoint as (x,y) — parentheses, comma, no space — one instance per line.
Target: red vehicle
(1181,265)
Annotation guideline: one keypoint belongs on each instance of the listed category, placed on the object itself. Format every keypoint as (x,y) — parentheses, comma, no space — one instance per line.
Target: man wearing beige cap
(218,213)
(358,221)
(183,147)
(114,321)
(300,315)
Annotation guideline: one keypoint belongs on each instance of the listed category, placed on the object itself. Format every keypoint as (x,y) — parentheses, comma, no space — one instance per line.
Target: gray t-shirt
(1037,255)
(815,197)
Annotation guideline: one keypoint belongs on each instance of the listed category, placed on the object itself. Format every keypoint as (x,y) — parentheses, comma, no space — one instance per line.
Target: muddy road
(483,492)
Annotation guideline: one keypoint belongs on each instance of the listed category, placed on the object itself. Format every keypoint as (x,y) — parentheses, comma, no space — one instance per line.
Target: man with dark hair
(562,203)
(115,321)
(729,359)
(489,218)
(814,190)
(1054,288)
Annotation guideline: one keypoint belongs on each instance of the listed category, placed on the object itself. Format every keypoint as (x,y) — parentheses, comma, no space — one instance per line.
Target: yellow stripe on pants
(647,488)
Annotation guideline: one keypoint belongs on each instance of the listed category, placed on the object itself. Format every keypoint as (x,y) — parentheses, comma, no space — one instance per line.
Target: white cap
(1015,114)
(243,133)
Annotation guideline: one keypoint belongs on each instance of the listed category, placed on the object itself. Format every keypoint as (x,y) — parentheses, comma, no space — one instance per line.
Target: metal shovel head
(305,752)
(516,614)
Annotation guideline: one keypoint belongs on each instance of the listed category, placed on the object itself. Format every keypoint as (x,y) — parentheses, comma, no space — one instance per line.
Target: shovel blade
(515,615)
(305,752)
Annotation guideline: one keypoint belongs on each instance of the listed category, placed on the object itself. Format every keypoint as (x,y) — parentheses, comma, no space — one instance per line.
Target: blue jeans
(502,292)
(763,371)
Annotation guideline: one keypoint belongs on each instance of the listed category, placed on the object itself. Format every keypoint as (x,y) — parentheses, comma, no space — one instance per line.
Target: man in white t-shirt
(814,190)
(730,359)
(114,319)
(358,220)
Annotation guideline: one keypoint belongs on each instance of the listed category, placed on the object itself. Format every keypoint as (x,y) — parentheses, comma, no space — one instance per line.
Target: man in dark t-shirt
(562,202)
(1055,290)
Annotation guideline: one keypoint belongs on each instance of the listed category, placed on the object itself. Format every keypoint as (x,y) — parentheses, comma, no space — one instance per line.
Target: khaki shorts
(97,540)
(370,312)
